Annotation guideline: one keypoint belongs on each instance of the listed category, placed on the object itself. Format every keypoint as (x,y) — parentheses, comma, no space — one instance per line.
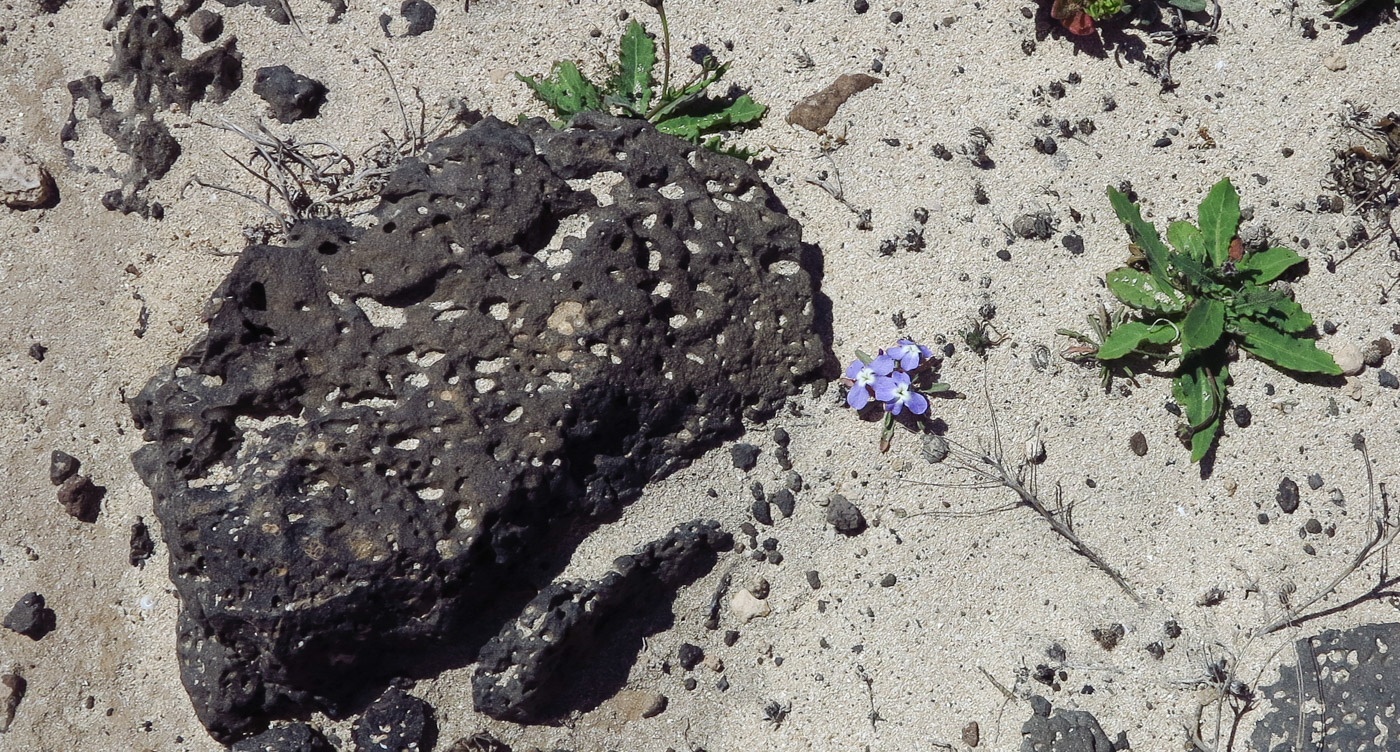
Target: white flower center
(866,377)
(901,394)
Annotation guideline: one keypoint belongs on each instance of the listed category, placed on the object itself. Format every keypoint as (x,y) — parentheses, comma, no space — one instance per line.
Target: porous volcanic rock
(520,669)
(384,424)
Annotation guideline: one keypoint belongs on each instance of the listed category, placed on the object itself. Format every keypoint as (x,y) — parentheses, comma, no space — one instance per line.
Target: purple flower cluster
(886,378)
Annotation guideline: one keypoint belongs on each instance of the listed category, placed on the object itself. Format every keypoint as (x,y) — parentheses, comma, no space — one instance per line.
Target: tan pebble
(636,704)
(745,606)
(1231,486)
(1335,62)
(24,183)
(814,112)
(714,663)
(1349,359)
(1353,389)
(972,734)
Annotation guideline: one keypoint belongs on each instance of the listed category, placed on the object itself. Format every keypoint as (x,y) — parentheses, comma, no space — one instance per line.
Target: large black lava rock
(383,425)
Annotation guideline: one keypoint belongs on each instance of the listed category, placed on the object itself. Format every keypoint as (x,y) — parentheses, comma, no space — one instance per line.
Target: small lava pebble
(784,501)
(30,617)
(731,636)
(844,516)
(1046,145)
(763,512)
(1387,379)
(1073,243)
(37,351)
(1309,550)
(690,683)
(723,684)
(814,579)
(141,546)
(1004,255)
(689,656)
(896,17)
(1138,443)
(745,456)
(1172,628)
(781,437)
(774,557)
(1242,416)
(1287,496)
(62,466)
(1313,526)
(1263,519)
(921,215)
(1314,481)
(770,544)
(876,66)
(888,580)
(1157,650)
(1162,142)
(861,6)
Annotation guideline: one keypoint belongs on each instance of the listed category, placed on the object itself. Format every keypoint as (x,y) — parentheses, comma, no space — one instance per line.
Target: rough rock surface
(147,56)
(81,498)
(396,722)
(1348,693)
(520,669)
(30,617)
(287,737)
(382,425)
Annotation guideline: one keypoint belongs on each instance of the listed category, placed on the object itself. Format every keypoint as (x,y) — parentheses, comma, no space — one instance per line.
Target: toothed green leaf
(634,80)
(1284,350)
(566,91)
(1186,239)
(1203,326)
(692,126)
(1268,265)
(1132,335)
(1145,293)
(1202,400)
(1190,6)
(1219,217)
(1142,232)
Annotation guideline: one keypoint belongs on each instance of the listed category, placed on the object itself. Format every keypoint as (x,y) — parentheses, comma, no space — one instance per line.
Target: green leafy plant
(685,111)
(1078,16)
(1197,302)
(1346,6)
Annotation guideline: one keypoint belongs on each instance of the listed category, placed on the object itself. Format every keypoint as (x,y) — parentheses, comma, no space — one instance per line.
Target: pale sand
(987,592)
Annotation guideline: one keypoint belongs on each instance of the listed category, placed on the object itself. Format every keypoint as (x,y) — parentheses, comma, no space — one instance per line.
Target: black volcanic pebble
(844,516)
(763,512)
(784,501)
(745,456)
(206,25)
(291,96)
(420,15)
(690,656)
(30,617)
(1287,497)
(141,545)
(81,498)
(62,466)
(396,721)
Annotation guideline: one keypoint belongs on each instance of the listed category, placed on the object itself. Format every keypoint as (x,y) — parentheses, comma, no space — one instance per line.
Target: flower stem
(665,52)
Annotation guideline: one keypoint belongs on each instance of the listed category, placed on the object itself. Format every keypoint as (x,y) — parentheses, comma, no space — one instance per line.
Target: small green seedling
(1204,296)
(684,111)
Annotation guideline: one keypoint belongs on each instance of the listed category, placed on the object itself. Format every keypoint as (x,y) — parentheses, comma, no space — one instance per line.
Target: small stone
(723,684)
(12,687)
(1335,62)
(1287,496)
(793,482)
(1138,443)
(935,449)
(888,580)
(896,17)
(844,516)
(294,737)
(1242,416)
(1004,255)
(1172,628)
(860,6)
(395,721)
(745,456)
(731,636)
(1313,525)
(760,588)
(1387,379)
(1108,637)
(972,734)
(1157,650)
(1034,451)
(1040,706)
(1162,142)
(815,111)
(814,579)
(291,96)
(37,351)
(763,512)
(780,435)
(1349,359)
(714,663)
(1073,243)
(746,607)
(1314,481)
(81,498)
(1034,225)
(62,466)
(141,546)
(636,704)
(30,617)
(24,183)
(775,557)
(420,15)
(689,656)
(784,501)
(206,25)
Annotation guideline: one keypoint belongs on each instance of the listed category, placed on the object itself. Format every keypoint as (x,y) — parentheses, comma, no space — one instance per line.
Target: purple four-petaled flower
(886,379)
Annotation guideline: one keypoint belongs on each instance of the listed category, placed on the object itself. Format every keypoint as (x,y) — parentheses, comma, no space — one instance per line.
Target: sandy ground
(974,592)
